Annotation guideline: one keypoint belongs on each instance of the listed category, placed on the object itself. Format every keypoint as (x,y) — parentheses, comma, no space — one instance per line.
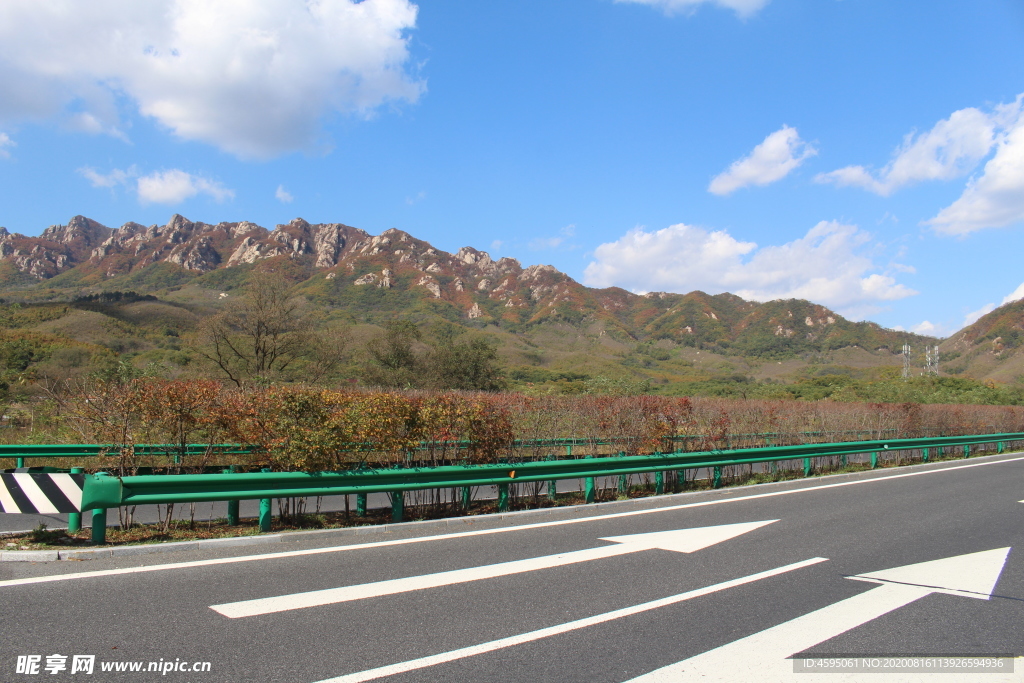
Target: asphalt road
(776,588)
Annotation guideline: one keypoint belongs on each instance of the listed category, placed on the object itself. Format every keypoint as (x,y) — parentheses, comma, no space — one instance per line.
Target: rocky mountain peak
(471,256)
(179,222)
(80,232)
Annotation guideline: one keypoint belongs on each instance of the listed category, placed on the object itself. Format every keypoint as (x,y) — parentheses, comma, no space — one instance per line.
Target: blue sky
(864,154)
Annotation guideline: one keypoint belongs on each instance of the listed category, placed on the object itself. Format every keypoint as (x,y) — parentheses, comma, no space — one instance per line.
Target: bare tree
(266,334)
(392,362)
(452,363)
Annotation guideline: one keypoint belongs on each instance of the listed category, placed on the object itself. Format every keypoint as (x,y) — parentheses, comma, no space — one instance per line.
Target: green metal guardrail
(84,450)
(20,452)
(103,491)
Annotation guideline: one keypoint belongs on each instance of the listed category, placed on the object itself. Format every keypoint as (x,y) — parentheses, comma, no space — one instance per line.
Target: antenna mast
(931,366)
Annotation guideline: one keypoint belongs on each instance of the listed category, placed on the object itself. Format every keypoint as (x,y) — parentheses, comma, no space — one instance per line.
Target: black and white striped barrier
(35,492)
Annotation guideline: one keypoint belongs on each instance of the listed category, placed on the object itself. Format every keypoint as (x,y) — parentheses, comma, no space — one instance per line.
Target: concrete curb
(29,555)
(128,550)
(497,520)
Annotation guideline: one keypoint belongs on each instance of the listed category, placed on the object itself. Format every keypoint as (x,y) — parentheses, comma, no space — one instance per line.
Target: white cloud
(950,149)
(1015,295)
(994,200)
(973,316)
(417,198)
(903,268)
(5,141)
(112,179)
(826,266)
(86,122)
(175,186)
(252,77)
(283,195)
(542,243)
(162,187)
(930,329)
(772,160)
(927,328)
(743,8)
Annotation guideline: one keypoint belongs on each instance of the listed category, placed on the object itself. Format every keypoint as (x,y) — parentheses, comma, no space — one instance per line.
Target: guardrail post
(874,460)
(589,489)
(232,504)
(99,525)
(623,488)
(999,446)
(924,455)
(75,518)
(807,467)
(19,462)
(502,497)
(467,497)
(398,497)
(716,477)
(397,505)
(552,484)
(967,450)
(842,461)
(266,509)
(99,520)
(360,505)
(659,483)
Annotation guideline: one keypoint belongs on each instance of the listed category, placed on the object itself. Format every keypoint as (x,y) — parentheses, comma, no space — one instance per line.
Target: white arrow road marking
(452,655)
(681,540)
(973,576)
(763,656)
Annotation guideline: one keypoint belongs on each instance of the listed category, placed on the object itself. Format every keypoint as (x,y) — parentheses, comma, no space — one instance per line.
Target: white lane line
(482,532)
(679,540)
(763,656)
(452,655)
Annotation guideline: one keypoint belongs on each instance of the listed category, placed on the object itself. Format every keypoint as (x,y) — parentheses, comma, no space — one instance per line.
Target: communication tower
(931,360)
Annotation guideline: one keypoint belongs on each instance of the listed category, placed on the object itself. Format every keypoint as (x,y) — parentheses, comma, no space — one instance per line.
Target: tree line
(266,336)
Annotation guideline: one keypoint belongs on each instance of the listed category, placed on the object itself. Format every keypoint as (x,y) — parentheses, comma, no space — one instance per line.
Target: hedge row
(314,429)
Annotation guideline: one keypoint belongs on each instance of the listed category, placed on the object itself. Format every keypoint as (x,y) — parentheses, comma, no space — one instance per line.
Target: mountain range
(543,320)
